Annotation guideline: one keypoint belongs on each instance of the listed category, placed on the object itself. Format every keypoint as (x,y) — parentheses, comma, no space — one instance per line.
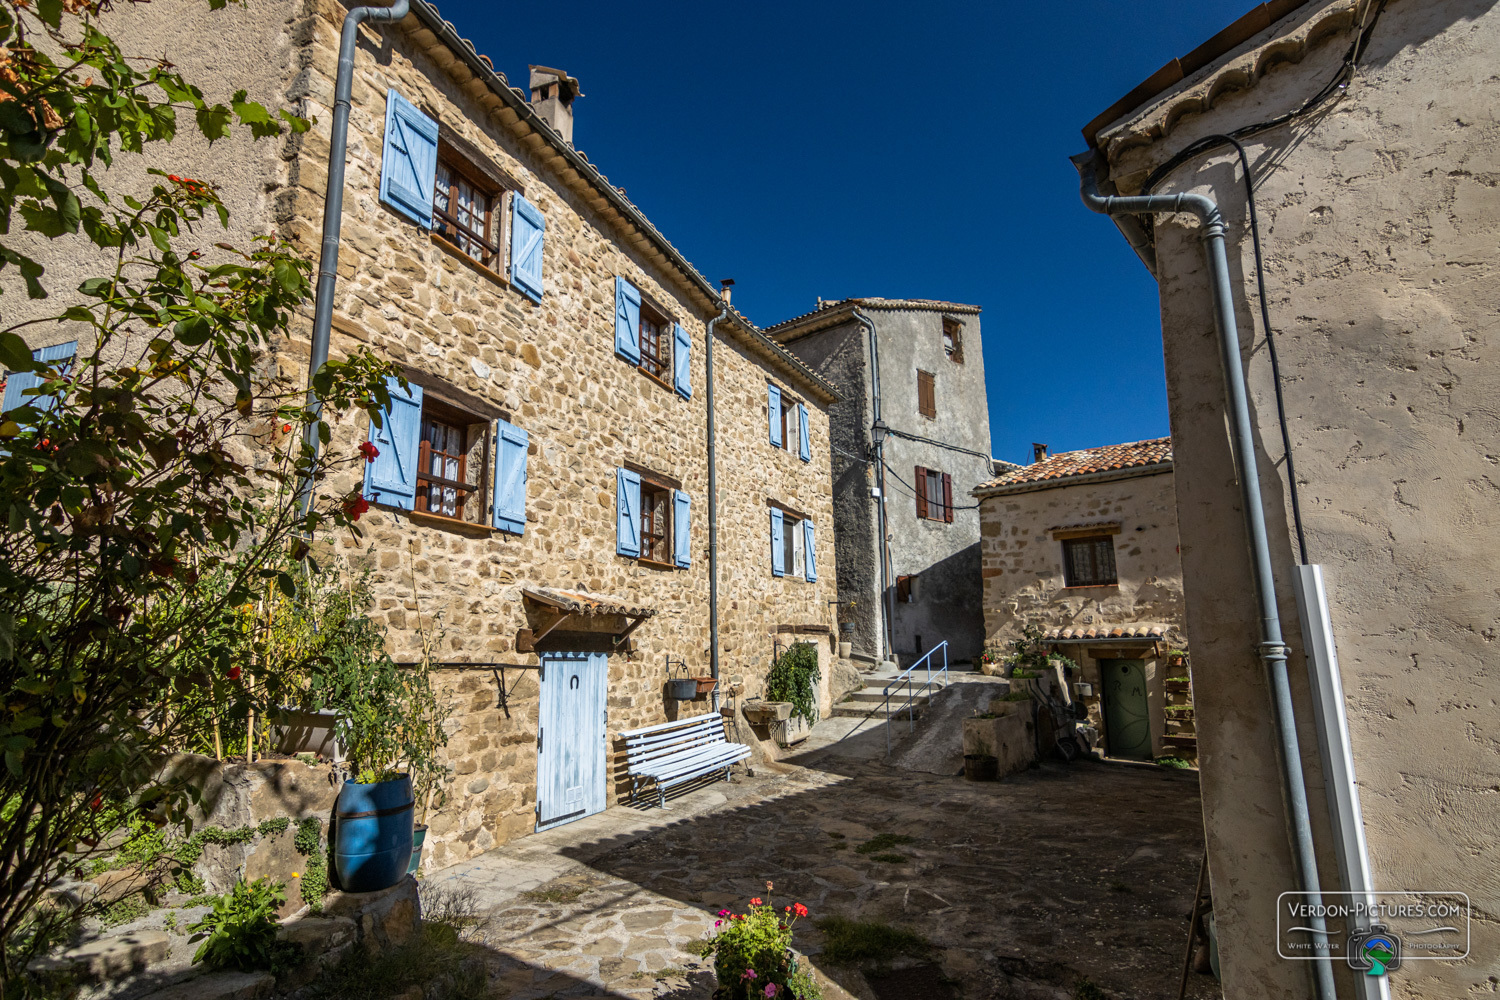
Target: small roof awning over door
(575,621)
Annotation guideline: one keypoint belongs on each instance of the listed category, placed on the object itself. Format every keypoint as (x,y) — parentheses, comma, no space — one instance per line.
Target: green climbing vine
(309,843)
(794,678)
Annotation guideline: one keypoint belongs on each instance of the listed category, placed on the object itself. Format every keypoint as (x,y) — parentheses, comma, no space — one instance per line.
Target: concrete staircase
(870,696)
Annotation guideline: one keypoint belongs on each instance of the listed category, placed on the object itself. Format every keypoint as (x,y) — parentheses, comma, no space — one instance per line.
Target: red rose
(96,802)
(369,450)
(286,428)
(356,507)
(234,673)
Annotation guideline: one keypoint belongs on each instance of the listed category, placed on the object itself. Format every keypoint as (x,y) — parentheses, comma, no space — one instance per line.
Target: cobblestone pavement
(1024,886)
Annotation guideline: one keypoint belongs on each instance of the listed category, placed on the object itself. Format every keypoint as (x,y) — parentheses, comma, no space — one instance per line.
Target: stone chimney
(1038,452)
(552,94)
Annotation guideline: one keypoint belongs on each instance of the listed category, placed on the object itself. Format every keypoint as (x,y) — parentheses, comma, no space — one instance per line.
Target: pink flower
(718,923)
(723,913)
(772,989)
(748,974)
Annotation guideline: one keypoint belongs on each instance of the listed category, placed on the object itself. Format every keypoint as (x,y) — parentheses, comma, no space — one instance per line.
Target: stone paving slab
(1024,886)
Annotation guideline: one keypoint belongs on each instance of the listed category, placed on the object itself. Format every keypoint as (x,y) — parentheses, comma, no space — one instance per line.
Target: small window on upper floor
(953,340)
(468,210)
(788,422)
(934,495)
(926,394)
(438,458)
(651,340)
(652,518)
(1089,562)
(793,545)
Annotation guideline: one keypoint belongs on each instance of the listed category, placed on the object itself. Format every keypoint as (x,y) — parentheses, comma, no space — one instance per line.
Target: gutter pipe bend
(713,505)
(1272,647)
(333,215)
(888,596)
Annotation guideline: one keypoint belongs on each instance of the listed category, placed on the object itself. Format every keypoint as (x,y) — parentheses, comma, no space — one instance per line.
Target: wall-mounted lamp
(878,431)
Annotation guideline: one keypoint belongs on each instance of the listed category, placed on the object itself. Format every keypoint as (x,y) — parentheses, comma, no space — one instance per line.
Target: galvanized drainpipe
(333,216)
(713,507)
(888,596)
(1272,649)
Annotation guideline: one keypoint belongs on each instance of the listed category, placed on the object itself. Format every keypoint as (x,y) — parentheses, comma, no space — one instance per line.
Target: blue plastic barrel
(373,834)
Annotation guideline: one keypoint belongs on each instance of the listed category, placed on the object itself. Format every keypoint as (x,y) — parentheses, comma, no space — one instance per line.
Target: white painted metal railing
(907,679)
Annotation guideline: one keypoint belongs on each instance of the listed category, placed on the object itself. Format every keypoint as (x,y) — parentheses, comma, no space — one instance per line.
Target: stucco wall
(1379,220)
(943,557)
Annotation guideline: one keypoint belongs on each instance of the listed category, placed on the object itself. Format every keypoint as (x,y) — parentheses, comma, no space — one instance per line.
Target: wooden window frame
(1100,542)
(658,483)
(440,411)
(661,358)
(928,508)
(927,394)
(904,590)
(953,331)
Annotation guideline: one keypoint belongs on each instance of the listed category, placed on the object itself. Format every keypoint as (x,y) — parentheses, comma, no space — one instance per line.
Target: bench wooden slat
(670,753)
(697,720)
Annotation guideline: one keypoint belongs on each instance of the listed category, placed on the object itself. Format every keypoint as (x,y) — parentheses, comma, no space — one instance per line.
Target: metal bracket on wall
(504,698)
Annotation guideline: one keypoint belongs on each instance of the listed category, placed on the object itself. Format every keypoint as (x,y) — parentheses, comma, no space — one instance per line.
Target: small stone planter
(1010,738)
(763,713)
(792,730)
(682,689)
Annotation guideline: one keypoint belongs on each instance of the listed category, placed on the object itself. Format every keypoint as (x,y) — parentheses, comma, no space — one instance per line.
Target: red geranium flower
(369,450)
(234,673)
(755,901)
(355,507)
(800,909)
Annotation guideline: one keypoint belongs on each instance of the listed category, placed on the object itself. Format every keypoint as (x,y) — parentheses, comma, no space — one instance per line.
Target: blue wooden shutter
(627,321)
(392,477)
(510,478)
(18,382)
(681,529)
(408,165)
(773,410)
(627,513)
(528,229)
(682,361)
(778,540)
(804,442)
(807,545)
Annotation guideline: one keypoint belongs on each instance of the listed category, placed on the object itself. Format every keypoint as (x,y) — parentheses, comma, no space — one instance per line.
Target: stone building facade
(927,372)
(557,421)
(1082,547)
(1378,215)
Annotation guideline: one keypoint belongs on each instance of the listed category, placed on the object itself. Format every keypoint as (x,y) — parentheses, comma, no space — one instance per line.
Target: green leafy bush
(753,954)
(794,678)
(241,928)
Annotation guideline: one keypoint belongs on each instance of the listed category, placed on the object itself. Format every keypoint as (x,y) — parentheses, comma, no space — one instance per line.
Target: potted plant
(753,957)
(391,728)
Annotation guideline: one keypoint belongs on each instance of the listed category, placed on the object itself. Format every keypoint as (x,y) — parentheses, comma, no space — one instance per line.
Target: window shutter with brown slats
(947,498)
(921,492)
(926,394)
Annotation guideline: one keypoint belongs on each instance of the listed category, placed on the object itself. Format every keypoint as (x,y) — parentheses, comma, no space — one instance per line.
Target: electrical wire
(913,490)
(1265,319)
(1334,86)
(1337,85)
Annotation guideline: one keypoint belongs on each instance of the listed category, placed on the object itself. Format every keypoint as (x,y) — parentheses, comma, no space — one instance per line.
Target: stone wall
(1379,219)
(1023,568)
(551,368)
(1024,584)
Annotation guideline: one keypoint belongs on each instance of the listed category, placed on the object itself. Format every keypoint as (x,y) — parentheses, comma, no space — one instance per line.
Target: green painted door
(1127,721)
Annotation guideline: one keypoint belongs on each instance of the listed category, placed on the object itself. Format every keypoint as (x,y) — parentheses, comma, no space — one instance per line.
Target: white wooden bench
(673,752)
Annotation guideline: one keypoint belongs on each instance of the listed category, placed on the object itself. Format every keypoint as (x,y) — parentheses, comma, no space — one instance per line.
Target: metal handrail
(905,678)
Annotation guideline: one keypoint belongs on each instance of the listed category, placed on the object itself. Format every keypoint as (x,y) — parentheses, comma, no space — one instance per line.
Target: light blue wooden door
(570,738)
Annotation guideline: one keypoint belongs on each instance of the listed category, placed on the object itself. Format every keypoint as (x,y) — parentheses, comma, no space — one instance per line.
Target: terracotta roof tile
(1069,464)
(1142,630)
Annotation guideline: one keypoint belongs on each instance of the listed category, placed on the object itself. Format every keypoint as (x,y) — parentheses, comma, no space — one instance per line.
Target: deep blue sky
(903,150)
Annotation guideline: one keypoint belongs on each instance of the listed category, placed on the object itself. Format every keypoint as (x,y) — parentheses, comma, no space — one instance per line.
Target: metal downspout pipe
(1272,648)
(333,215)
(888,595)
(713,506)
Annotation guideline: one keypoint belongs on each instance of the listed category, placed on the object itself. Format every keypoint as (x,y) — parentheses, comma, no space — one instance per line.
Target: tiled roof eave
(832,314)
(1105,475)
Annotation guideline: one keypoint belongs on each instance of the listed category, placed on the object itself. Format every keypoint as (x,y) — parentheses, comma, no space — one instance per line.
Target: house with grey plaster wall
(910,439)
